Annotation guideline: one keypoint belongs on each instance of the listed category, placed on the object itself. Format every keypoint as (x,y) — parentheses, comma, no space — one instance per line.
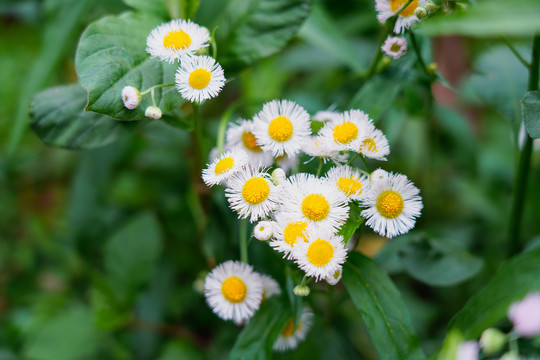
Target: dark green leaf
(109,313)
(377,96)
(154,7)
(255,29)
(132,253)
(384,313)
(487,18)
(111,55)
(530,112)
(190,7)
(59,119)
(256,340)
(353,222)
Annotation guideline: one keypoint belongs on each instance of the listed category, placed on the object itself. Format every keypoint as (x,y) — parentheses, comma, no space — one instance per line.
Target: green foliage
(59,119)
(530,112)
(156,7)
(385,315)
(255,29)
(354,221)
(112,54)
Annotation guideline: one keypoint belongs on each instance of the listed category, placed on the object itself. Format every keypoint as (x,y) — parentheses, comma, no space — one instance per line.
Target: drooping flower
(131,97)
(289,338)
(199,78)
(406,19)
(153,112)
(334,278)
(395,47)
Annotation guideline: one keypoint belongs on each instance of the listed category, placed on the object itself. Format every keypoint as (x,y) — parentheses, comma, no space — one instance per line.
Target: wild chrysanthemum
(349,181)
(252,194)
(289,338)
(233,291)
(288,231)
(240,135)
(131,97)
(334,278)
(263,230)
(178,37)
(350,126)
(406,19)
(393,204)
(322,255)
(318,146)
(199,78)
(281,127)
(395,47)
(224,167)
(373,144)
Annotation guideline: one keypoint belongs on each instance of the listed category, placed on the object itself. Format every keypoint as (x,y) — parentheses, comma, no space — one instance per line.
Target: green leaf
(487,18)
(69,335)
(384,313)
(255,29)
(256,340)
(109,313)
(353,222)
(189,8)
(377,96)
(154,7)
(59,119)
(530,112)
(111,55)
(132,253)
(515,279)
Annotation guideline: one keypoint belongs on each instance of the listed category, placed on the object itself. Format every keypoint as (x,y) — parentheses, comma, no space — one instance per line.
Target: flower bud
(263,230)
(278,176)
(153,112)
(301,290)
(510,356)
(525,315)
(421,12)
(467,351)
(131,97)
(431,7)
(492,341)
(431,68)
(335,277)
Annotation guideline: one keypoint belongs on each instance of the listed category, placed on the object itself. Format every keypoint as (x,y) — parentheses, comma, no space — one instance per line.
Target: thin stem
(378,55)
(319,169)
(353,158)
(416,49)
(524,162)
(366,164)
(243,241)
(198,132)
(515,52)
(223,126)
(156,87)
(153,98)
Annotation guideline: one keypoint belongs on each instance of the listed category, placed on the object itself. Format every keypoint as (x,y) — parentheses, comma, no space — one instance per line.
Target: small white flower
(406,19)
(525,315)
(318,146)
(349,181)
(224,167)
(153,112)
(372,145)
(131,97)
(171,40)
(270,287)
(252,194)
(233,291)
(334,278)
(199,78)
(282,127)
(350,126)
(315,200)
(240,135)
(289,338)
(322,255)
(263,230)
(394,47)
(393,204)
(278,176)
(288,231)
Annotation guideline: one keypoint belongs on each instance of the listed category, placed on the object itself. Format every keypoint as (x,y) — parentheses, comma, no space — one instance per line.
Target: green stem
(223,126)
(416,49)
(319,169)
(353,158)
(378,55)
(153,98)
(524,163)
(198,132)
(243,241)
(366,164)
(515,52)
(156,87)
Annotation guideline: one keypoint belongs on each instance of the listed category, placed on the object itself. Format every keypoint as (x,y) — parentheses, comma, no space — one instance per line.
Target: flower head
(343,131)
(263,230)
(525,315)
(334,278)
(467,351)
(349,181)
(225,166)
(289,338)
(406,19)
(372,145)
(153,112)
(288,231)
(240,135)
(131,97)
(270,287)
(395,47)
(199,78)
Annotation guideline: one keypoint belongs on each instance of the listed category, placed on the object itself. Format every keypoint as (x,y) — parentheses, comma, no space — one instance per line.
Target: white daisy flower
(325,116)
(288,231)
(252,194)
(341,132)
(233,291)
(131,97)
(334,278)
(199,78)
(322,255)
(153,112)
(270,287)
(395,47)
(349,181)
(393,204)
(240,135)
(282,127)
(289,338)
(406,19)
(224,167)
(373,145)
(278,176)
(315,200)
(318,146)
(287,163)
(263,230)
(171,40)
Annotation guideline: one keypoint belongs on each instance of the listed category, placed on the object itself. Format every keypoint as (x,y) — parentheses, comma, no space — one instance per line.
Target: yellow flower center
(396,5)
(224,165)
(176,40)
(315,207)
(349,185)
(369,145)
(345,132)
(390,204)
(336,274)
(293,231)
(320,252)
(280,129)
(250,142)
(395,48)
(255,190)
(288,330)
(234,289)
(199,78)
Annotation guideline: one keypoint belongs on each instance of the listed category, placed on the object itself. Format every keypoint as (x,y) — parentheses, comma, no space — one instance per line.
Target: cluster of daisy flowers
(198,77)
(301,215)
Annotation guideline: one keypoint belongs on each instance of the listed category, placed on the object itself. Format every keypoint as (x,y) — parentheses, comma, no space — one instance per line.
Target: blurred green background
(64,213)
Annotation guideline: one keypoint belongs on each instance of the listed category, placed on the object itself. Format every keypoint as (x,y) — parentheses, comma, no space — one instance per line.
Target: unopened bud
(430,7)
(431,68)
(278,176)
(153,112)
(301,290)
(263,230)
(492,341)
(131,97)
(421,12)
